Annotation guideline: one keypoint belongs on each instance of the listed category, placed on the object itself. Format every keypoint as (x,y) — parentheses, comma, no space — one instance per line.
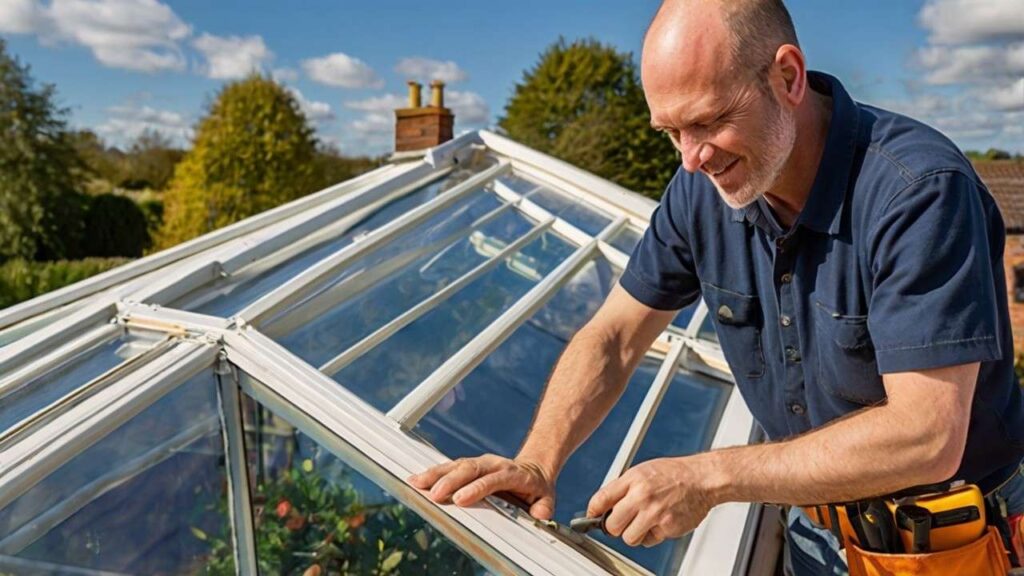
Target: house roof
(1005,180)
(397,320)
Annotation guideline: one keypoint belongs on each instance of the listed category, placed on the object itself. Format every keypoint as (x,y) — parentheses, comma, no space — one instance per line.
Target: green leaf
(392,561)
(198,533)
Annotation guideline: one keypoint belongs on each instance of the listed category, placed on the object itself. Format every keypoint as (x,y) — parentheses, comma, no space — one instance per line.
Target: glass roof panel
(226,296)
(685,423)
(430,253)
(308,501)
(626,238)
(387,372)
(149,498)
(707,330)
(62,379)
(519,184)
(571,210)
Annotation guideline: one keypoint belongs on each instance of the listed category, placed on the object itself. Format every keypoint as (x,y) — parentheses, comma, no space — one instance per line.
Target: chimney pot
(414,94)
(437,94)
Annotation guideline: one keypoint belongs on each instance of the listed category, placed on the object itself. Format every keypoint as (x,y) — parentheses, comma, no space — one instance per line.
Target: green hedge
(22,280)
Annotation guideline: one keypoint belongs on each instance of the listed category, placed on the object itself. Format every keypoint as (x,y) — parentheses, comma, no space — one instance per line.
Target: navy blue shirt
(894,264)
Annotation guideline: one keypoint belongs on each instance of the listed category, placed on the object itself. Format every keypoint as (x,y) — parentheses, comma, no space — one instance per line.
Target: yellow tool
(957,517)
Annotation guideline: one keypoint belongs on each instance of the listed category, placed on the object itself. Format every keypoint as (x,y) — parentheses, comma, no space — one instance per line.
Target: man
(851,261)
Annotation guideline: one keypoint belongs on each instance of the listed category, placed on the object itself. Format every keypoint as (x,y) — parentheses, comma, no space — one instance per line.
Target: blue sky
(124,65)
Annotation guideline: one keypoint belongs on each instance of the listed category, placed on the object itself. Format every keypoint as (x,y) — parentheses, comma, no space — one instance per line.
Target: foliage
(252,151)
(150,162)
(40,169)
(114,226)
(22,280)
(332,167)
(582,102)
(314,526)
(991,154)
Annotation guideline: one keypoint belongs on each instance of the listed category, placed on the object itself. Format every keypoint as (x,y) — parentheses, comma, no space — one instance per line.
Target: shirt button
(793,354)
(724,312)
(785,320)
(786,278)
(797,408)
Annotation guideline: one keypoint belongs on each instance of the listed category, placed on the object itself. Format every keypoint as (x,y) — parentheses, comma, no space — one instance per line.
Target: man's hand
(652,501)
(468,480)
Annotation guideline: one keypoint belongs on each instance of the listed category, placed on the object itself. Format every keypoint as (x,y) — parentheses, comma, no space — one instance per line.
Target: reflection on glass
(386,373)
(684,424)
(519,184)
(149,498)
(227,296)
(63,379)
(682,319)
(314,514)
(571,210)
(491,409)
(378,287)
(707,330)
(626,239)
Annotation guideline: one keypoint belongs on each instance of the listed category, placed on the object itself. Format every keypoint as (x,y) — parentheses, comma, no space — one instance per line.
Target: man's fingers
(484,486)
(428,477)
(634,534)
(463,473)
(606,497)
(651,540)
(621,516)
(543,509)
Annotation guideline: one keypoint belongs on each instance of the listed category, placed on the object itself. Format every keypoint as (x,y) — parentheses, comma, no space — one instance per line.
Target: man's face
(736,133)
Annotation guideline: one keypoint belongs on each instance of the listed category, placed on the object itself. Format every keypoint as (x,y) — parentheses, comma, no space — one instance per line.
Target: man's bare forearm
(868,453)
(587,380)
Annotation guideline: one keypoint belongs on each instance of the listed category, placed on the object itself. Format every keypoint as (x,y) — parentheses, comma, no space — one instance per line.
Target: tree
(40,170)
(252,151)
(582,102)
(150,161)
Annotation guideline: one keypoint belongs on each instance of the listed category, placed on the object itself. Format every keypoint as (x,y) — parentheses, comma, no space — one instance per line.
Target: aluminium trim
(305,282)
(426,394)
(316,398)
(41,524)
(26,462)
(265,240)
(645,413)
(51,336)
(47,362)
(237,470)
(336,364)
(110,278)
(559,170)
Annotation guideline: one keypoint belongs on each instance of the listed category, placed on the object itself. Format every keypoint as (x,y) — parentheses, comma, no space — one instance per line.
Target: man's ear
(790,74)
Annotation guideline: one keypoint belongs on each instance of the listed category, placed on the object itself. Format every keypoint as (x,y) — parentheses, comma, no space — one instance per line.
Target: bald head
(733,38)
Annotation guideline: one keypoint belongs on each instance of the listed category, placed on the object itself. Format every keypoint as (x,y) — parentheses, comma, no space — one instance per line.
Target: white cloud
(1009,97)
(385,103)
(141,35)
(920,106)
(230,57)
(126,122)
(342,70)
(426,69)
(969,21)
(468,107)
(21,16)
(975,63)
(284,74)
(314,110)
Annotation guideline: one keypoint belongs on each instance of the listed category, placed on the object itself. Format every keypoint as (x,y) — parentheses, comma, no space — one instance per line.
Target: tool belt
(922,532)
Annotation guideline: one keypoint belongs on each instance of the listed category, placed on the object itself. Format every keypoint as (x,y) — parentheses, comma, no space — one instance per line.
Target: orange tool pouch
(969,548)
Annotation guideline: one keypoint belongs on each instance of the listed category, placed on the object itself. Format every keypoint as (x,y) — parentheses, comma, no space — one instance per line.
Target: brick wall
(1013,256)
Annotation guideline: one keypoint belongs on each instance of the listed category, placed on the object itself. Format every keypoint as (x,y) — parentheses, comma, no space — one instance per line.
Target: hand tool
(917,521)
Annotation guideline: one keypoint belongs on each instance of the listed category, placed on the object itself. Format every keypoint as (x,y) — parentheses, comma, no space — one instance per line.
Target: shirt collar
(824,205)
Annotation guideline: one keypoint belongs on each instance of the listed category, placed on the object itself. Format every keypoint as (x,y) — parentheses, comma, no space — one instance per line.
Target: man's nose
(695,154)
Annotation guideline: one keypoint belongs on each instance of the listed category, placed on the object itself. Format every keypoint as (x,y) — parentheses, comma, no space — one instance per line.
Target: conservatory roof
(377,327)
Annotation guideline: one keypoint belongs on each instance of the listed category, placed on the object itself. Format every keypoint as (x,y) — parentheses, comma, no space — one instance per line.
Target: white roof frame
(375,443)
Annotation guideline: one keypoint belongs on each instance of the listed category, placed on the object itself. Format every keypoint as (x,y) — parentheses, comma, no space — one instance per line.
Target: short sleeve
(933,300)
(661,272)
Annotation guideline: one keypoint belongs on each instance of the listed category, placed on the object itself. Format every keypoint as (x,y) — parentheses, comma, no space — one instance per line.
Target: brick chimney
(418,127)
